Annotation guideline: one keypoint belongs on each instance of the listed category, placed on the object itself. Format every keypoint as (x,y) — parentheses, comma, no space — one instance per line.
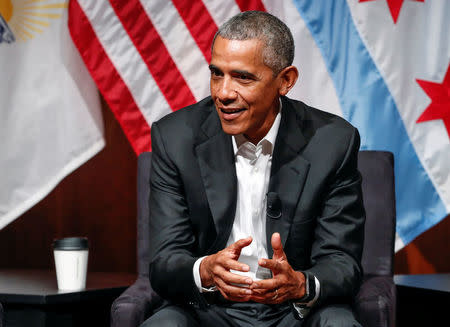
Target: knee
(332,316)
(169,317)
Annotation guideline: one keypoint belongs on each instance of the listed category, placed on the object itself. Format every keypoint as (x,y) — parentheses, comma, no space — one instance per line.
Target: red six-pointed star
(394,7)
(439,108)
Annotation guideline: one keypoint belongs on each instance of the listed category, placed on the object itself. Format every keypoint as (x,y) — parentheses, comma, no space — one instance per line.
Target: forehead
(237,52)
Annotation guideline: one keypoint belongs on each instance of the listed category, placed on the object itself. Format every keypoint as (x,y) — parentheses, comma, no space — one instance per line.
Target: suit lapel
(288,173)
(215,158)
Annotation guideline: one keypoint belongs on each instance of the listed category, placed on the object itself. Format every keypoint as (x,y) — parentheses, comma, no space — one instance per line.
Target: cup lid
(71,243)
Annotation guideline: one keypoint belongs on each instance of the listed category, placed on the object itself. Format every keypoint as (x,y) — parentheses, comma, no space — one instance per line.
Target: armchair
(375,302)
(135,304)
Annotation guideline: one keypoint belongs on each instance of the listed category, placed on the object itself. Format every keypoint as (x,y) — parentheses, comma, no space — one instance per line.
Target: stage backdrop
(383,65)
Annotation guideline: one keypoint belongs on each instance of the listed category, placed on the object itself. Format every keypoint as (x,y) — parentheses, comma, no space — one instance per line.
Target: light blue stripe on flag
(367,103)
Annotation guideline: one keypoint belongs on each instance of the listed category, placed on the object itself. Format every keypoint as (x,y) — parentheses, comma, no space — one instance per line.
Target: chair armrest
(135,304)
(375,304)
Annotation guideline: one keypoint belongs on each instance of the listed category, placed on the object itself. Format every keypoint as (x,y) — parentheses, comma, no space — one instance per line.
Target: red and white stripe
(149,58)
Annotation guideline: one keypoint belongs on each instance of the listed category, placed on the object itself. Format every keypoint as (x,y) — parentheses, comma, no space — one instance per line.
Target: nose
(226,91)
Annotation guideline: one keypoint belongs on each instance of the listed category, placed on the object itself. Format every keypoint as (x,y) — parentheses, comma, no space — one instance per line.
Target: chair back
(377,170)
(143,195)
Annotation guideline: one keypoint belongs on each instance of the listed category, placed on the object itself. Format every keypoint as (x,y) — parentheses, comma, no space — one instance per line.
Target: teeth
(231,111)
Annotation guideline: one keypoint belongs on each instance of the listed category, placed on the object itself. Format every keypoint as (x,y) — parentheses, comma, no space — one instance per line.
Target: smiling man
(244,89)
(256,212)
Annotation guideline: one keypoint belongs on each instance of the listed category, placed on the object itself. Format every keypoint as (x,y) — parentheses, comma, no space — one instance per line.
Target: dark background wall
(98,200)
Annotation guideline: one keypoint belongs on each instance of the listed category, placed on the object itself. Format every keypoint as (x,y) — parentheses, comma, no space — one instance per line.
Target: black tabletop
(40,287)
(433,282)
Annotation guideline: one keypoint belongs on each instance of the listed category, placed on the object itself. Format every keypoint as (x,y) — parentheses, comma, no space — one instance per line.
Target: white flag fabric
(50,117)
(381,64)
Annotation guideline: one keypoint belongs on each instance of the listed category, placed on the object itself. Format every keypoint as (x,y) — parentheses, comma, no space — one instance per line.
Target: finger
(271,264)
(240,298)
(237,298)
(240,244)
(232,290)
(229,264)
(270,297)
(267,284)
(277,246)
(231,278)
(260,291)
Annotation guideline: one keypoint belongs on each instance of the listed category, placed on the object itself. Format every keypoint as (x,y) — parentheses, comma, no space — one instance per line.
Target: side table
(422,300)
(31,298)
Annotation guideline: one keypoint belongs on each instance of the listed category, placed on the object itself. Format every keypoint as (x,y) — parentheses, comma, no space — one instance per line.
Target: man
(256,214)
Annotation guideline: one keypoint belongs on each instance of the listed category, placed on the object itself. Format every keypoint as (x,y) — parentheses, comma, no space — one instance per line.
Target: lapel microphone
(273,205)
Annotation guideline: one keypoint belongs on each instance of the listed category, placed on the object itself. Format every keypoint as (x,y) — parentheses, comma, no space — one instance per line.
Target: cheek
(248,95)
(215,84)
(212,87)
(257,102)
(256,94)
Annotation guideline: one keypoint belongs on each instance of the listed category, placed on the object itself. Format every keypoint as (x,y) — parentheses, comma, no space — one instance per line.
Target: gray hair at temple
(279,48)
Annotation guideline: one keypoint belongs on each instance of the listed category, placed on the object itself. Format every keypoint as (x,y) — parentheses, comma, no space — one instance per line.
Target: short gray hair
(278,52)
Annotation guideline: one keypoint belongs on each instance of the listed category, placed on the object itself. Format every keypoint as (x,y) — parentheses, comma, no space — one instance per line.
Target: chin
(230,129)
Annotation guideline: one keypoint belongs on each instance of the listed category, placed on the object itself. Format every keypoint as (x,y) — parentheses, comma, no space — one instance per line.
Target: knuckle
(219,282)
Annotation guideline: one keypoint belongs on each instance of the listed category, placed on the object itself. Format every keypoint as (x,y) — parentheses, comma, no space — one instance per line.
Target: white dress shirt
(253,163)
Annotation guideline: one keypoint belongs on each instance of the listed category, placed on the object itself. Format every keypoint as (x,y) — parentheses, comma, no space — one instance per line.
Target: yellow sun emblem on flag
(24,19)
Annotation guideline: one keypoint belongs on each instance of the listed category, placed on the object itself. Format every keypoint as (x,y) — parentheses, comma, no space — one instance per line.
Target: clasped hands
(285,284)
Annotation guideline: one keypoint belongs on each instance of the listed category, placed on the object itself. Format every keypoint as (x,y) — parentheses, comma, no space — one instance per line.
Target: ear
(288,76)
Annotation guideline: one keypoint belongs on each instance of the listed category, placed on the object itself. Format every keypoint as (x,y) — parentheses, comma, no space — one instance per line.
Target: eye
(215,72)
(244,77)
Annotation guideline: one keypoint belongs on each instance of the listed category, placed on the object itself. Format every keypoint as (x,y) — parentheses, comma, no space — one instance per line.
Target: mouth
(231,113)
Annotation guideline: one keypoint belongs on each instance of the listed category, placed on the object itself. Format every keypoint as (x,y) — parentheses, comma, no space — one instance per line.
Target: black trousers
(251,314)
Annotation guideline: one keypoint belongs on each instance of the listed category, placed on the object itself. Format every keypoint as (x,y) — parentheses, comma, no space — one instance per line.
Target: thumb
(278,252)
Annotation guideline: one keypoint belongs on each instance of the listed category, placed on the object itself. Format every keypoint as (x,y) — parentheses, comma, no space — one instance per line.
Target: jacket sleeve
(172,240)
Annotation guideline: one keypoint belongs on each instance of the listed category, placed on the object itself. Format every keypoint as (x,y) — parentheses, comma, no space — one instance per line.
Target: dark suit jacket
(193,198)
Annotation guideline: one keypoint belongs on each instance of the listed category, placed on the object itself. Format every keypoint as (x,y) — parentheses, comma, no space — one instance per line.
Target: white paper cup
(71,260)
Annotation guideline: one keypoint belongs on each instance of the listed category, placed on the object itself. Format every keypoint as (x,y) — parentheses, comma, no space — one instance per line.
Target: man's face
(244,89)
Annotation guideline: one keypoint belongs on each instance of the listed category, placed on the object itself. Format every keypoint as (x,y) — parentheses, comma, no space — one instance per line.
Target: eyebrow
(213,67)
(244,72)
(236,71)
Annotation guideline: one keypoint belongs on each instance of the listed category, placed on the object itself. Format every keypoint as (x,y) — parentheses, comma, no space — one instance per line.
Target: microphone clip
(273,205)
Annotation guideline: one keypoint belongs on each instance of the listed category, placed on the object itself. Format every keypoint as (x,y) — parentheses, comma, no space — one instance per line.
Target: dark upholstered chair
(134,305)
(1,315)
(375,303)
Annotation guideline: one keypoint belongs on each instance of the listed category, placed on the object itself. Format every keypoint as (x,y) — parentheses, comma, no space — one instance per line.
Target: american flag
(381,64)
(149,58)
